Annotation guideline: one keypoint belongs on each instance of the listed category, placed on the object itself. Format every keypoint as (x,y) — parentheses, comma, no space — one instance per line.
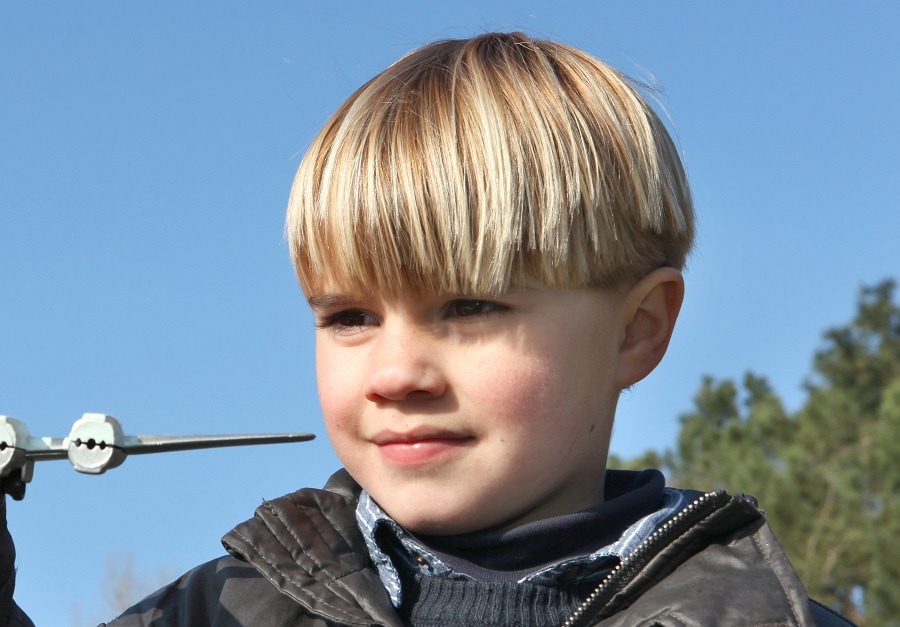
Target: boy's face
(458,413)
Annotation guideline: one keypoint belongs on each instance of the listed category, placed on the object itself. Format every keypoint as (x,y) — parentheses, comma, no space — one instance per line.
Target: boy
(490,234)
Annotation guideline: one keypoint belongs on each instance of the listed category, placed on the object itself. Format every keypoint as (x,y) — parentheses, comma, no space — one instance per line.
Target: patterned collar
(371,519)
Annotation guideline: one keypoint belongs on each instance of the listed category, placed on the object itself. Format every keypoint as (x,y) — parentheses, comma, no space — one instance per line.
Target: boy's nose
(402,368)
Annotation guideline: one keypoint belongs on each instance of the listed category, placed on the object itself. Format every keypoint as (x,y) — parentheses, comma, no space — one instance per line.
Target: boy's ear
(651,307)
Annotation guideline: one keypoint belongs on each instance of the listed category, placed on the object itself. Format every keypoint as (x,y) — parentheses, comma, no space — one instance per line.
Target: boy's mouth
(419,446)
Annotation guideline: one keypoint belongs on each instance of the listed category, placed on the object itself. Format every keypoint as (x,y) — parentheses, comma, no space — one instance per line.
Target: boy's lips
(418,446)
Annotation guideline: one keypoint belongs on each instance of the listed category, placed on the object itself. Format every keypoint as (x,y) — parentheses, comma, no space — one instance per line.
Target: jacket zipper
(625,571)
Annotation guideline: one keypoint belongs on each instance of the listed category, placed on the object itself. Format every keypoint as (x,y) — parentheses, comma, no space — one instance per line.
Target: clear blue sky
(146,151)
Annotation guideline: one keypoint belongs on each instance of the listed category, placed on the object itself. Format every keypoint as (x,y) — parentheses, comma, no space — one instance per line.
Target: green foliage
(828,474)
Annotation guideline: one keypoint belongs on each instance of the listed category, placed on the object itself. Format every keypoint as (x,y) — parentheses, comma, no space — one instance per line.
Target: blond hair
(472,165)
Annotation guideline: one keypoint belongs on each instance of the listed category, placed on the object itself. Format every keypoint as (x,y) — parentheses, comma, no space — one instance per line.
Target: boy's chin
(449,521)
(440,522)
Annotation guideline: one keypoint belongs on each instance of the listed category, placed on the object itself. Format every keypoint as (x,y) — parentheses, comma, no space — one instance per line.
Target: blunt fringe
(472,165)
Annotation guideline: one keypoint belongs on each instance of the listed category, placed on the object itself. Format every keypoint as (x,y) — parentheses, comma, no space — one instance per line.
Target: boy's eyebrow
(336,300)
(330,300)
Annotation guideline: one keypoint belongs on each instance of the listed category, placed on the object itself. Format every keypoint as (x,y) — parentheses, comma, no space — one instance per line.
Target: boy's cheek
(334,379)
(530,387)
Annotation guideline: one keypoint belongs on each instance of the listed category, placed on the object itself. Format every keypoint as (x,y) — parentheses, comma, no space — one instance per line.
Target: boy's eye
(349,319)
(465,308)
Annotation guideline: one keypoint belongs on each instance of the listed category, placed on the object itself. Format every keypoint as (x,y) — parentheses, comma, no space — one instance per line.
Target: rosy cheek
(336,403)
(328,398)
(520,392)
(333,381)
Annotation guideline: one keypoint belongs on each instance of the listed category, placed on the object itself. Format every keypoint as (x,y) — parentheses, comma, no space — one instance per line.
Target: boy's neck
(510,554)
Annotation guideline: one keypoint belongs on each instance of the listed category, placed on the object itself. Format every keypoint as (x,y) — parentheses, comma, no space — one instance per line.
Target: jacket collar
(308,545)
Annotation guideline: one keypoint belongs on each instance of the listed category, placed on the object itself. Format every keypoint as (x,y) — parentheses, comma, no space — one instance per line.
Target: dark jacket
(302,561)
(10,614)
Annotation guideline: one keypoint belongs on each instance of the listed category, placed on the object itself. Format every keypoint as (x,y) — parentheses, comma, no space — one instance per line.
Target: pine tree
(827,475)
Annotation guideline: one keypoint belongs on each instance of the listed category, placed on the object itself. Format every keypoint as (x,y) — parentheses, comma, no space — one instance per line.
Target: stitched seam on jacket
(346,537)
(301,542)
(777,572)
(337,580)
(303,591)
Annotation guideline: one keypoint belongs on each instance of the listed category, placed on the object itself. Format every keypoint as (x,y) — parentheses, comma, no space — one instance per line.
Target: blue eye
(465,308)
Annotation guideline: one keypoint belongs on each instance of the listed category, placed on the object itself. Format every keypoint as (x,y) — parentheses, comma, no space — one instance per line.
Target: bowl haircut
(470,166)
